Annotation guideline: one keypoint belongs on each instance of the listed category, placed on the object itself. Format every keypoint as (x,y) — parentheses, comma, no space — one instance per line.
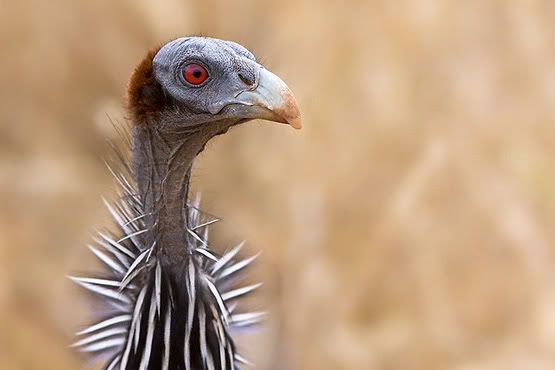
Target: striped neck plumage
(171,298)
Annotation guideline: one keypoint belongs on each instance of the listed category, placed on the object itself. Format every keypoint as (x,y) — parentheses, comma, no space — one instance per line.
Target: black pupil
(197,73)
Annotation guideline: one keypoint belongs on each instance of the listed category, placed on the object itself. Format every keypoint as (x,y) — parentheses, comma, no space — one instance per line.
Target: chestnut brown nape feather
(144,93)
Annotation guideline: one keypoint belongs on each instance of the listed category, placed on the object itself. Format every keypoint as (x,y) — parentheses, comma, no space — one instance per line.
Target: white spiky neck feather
(118,333)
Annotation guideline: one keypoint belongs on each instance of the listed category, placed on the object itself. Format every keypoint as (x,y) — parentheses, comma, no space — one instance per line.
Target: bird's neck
(162,169)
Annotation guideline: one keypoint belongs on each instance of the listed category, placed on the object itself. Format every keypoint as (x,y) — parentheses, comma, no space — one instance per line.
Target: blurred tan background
(409,225)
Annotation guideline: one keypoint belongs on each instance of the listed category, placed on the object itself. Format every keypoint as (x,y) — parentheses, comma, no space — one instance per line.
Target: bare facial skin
(237,88)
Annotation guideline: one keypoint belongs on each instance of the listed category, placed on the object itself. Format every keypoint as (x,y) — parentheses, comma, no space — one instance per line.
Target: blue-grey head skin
(171,297)
(237,89)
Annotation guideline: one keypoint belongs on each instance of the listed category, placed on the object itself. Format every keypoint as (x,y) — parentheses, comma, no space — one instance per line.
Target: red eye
(195,74)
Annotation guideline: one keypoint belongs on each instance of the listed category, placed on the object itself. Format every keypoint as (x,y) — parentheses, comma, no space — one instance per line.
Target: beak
(271,100)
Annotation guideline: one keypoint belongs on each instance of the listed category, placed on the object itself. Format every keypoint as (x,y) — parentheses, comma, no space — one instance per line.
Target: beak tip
(290,110)
(296,123)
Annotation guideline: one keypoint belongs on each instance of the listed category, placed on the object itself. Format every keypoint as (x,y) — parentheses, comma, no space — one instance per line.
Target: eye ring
(195,74)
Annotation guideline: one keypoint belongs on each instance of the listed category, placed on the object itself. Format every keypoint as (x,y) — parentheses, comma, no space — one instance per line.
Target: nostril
(246,79)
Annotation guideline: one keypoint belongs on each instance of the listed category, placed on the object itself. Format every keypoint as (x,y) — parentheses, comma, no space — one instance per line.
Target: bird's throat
(162,169)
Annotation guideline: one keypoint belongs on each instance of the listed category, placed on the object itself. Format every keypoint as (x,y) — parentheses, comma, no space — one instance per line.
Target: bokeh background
(409,226)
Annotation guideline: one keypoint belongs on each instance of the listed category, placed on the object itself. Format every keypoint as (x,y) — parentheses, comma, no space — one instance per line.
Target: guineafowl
(170,298)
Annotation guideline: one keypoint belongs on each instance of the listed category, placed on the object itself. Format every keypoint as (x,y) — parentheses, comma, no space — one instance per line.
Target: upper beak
(271,100)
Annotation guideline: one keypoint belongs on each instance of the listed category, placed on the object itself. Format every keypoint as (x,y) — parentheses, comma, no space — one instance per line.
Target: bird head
(203,84)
